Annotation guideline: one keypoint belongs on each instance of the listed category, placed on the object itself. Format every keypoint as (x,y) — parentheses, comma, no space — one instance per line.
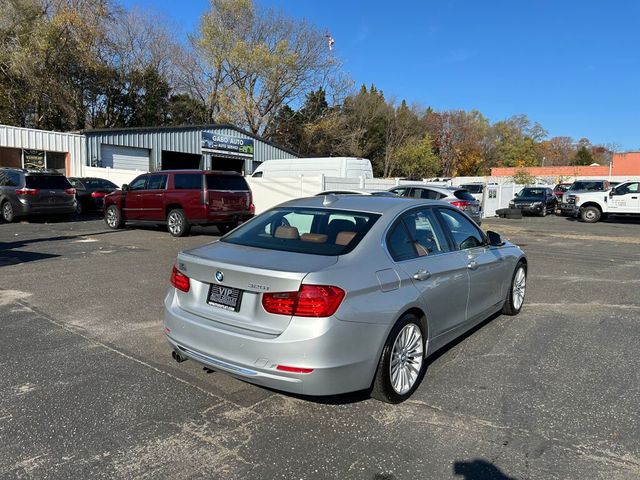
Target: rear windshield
(226,182)
(317,231)
(587,186)
(53,182)
(463,195)
(473,188)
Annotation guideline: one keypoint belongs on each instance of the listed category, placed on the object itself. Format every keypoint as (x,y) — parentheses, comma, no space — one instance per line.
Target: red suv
(181,198)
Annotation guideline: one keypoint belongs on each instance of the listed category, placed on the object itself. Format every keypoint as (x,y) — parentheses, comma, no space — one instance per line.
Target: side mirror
(495,240)
(125,187)
(611,192)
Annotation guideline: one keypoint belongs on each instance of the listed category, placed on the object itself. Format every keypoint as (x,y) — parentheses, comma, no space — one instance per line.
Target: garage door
(126,158)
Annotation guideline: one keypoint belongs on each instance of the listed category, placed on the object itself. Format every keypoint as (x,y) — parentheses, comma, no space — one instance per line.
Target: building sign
(224,144)
(34,159)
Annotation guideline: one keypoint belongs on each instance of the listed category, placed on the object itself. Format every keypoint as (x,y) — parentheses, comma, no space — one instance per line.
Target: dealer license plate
(227,298)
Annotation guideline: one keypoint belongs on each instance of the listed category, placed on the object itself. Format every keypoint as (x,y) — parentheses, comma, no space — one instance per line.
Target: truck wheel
(590,214)
(177,223)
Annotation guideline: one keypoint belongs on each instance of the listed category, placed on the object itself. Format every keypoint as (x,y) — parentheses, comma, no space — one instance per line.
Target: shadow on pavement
(478,470)
(9,255)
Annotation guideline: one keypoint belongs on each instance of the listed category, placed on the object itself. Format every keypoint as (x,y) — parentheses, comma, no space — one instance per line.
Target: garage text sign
(212,142)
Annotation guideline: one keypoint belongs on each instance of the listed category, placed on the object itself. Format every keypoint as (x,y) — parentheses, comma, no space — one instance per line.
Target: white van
(343,167)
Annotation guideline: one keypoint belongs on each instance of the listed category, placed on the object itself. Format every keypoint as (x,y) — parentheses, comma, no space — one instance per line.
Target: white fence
(117,176)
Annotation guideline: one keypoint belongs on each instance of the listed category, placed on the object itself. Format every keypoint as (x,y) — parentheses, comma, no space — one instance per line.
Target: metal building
(40,149)
(217,147)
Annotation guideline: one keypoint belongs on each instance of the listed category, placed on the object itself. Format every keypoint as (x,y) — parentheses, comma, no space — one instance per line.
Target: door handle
(472,265)
(158,194)
(634,198)
(421,275)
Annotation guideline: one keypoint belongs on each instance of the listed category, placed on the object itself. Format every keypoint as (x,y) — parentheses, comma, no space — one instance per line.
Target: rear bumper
(222,217)
(343,355)
(25,209)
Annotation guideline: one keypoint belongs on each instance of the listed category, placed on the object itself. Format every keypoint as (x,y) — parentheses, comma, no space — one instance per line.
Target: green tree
(416,159)
(583,156)
(522,177)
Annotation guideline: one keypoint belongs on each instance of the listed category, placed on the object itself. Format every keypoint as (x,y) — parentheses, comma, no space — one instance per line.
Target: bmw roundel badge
(219,276)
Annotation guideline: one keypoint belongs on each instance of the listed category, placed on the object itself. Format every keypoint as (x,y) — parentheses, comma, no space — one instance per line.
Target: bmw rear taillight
(27,191)
(179,280)
(309,301)
(70,191)
(462,204)
(252,209)
(98,194)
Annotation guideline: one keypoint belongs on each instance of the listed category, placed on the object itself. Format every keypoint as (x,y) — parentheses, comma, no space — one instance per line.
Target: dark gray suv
(27,192)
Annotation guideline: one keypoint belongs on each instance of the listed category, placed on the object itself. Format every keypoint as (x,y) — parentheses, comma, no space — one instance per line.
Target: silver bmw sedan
(327,295)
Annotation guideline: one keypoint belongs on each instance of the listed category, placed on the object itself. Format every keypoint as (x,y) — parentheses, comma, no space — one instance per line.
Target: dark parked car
(90,192)
(536,200)
(180,199)
(26,192)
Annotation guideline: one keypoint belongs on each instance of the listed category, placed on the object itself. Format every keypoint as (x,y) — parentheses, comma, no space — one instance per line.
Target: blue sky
(573,66)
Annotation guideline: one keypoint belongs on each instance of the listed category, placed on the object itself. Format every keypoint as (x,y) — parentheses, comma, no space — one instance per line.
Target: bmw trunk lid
(227,282)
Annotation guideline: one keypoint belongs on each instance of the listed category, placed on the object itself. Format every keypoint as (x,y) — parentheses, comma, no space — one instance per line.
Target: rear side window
(315,231)
(187,181)
(427,194)
(473,188)
(463,195)
(157,182)
(400,244)
(10,179)
(226,182)
(53,182)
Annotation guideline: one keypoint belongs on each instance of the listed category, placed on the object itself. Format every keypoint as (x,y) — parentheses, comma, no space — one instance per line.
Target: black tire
(113,217)
(543,213)
(382,388)
(225,228)
(79,208)
(590,214)
(510,307)
(8,214)
(177,223)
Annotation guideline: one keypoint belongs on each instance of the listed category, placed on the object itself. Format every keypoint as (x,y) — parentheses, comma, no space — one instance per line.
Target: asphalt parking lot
(89,389)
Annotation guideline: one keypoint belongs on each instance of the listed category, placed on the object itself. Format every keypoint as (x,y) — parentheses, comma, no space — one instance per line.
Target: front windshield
(586,186)
(532,192)
(317,231)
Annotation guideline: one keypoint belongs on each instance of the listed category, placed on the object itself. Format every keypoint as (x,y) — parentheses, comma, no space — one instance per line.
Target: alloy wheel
(174,223)
(7,212)
(406,358)
(519,286)
(111,218)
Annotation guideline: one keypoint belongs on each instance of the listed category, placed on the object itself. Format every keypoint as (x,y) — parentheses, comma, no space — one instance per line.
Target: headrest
(288,233)
(313,237)
(343,238)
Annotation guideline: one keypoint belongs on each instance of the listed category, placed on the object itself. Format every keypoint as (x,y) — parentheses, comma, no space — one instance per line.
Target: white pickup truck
(624,199)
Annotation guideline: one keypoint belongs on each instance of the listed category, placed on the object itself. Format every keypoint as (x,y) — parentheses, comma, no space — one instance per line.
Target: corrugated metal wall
(176,140)
(32,139)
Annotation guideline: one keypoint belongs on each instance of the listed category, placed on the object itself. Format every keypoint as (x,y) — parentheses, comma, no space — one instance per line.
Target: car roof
(445,188)
(362,203)
(195,170)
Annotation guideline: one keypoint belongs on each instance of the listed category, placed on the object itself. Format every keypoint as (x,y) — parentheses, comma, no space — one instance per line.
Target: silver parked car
(326,295)
(456,196)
